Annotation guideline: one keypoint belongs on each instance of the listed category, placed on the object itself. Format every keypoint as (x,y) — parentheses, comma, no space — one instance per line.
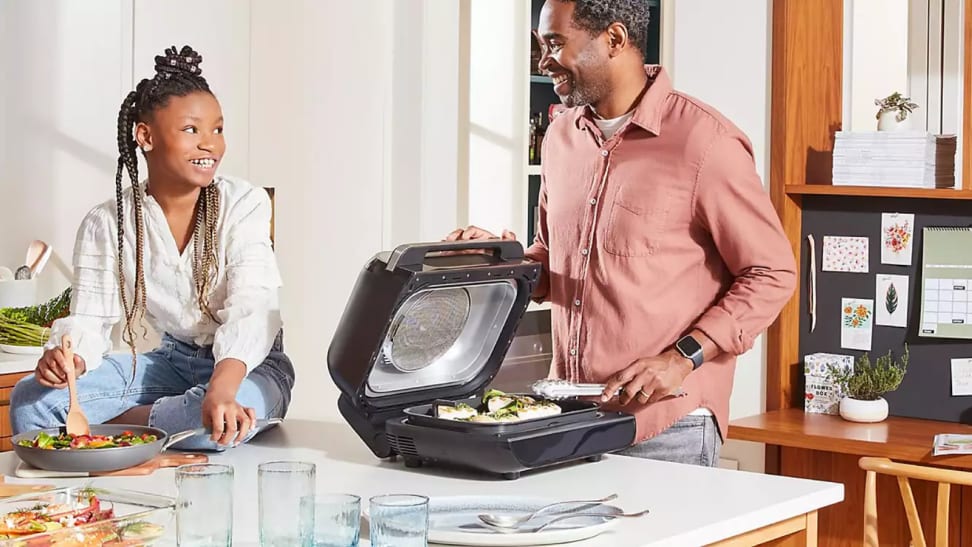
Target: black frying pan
(105,459)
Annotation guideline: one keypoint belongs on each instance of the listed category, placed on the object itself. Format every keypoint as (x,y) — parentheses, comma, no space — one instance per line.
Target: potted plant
(862,388)
(893,112)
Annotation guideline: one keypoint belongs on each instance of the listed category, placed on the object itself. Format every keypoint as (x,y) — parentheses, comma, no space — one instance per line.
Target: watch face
(689,346)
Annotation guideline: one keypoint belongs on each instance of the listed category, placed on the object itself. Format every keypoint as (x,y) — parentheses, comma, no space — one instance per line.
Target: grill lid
(421,325)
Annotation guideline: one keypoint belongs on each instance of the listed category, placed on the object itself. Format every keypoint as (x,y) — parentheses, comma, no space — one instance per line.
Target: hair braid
(177,74)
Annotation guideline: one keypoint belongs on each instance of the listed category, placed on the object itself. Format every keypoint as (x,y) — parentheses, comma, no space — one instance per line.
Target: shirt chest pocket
(637,222)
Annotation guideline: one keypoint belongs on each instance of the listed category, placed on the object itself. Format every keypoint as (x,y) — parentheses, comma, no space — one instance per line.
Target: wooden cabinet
(7,382)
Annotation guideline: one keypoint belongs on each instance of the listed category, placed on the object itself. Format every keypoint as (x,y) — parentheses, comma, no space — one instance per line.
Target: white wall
(731,72)
(359,144)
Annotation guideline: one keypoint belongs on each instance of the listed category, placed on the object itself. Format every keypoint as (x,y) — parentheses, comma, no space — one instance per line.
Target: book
(951,443)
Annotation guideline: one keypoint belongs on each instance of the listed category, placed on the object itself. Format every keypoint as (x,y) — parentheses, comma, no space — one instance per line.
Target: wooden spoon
(77,423)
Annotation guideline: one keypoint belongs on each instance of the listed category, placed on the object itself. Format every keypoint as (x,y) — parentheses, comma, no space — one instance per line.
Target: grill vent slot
(404,446)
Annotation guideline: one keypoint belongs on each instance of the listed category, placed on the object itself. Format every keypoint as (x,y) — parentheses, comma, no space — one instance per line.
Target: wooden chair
(945,479)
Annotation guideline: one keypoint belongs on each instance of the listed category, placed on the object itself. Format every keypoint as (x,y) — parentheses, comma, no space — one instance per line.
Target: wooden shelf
(877,191)
(901,439)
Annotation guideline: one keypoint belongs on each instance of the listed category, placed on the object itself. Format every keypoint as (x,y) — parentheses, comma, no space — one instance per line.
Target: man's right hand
(52,367)
(474,232)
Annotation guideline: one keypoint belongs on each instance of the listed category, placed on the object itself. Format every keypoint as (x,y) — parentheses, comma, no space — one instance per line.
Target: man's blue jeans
(172,378)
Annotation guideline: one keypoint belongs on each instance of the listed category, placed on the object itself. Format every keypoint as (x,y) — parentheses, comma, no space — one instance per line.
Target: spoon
(512,521)
(77,423)
(565,517)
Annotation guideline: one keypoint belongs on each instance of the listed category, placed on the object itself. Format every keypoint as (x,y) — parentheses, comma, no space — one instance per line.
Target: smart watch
(691,349)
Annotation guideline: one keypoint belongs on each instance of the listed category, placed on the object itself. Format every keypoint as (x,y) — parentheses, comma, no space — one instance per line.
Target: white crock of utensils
(562,389)
(536,529)
(513,521)
(38,253)
(77,423)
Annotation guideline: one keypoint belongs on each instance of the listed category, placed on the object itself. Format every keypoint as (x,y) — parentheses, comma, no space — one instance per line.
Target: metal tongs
(562,389)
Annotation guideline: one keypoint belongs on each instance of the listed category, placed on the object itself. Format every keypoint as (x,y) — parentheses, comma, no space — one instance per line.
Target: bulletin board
(926,391)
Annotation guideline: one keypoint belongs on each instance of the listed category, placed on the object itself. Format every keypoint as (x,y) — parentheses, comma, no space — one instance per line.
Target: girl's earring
(147,148)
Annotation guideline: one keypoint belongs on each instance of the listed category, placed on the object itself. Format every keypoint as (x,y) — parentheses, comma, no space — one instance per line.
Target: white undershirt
(610,127)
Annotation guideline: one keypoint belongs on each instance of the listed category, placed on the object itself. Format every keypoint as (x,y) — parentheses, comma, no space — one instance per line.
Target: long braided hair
(177,74)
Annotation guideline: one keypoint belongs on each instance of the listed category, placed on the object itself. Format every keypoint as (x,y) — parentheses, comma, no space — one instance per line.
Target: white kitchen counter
(690,506)
(15,362)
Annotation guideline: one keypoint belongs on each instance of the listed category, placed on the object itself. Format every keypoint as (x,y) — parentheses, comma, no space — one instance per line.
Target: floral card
(856,323)
(891,300)
(897,233)
(845,254)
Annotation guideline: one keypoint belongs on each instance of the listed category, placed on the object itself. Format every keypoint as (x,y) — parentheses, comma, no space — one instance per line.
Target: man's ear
(143,136)
(618,38)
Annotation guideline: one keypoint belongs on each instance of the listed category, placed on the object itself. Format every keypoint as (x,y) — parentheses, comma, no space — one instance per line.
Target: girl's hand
(52,366)
(227,419)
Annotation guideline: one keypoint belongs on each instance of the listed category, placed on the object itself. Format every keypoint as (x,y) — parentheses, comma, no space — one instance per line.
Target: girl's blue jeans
(172,378)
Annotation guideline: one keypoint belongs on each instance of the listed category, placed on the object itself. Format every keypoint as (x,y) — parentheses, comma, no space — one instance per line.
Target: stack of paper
(894,158)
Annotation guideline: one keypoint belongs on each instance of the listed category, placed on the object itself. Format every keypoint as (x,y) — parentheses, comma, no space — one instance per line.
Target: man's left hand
(649,379)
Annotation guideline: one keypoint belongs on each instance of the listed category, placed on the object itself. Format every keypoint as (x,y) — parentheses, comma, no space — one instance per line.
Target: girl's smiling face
(185,137)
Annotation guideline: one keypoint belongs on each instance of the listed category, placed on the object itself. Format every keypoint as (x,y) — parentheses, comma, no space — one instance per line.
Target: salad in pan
(68,441)
(499,407)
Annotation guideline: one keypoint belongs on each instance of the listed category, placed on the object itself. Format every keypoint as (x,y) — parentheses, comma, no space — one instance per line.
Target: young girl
(189,251)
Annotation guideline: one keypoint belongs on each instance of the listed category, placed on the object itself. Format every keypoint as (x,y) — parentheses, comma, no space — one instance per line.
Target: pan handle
(414,254)
(183,435)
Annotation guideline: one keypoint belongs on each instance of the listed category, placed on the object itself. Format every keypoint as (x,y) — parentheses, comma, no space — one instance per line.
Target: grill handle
(413,254)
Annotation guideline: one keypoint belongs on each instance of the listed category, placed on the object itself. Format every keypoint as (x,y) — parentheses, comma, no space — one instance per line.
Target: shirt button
(593,201)
(584,252)
(577,302)
(604,153)
(573,351)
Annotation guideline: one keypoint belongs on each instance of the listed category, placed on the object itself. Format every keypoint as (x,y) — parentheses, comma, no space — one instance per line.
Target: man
(663,256)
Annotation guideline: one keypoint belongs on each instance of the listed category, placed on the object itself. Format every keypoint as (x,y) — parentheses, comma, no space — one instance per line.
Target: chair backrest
(944,477)
(273,212)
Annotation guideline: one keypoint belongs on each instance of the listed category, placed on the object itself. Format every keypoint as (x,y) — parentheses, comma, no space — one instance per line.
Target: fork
(570,516)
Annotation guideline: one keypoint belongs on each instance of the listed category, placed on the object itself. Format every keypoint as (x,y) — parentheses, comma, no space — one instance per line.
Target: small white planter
(887,122)
(856,410)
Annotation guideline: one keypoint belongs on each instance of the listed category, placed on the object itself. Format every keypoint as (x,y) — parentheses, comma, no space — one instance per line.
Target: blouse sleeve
(250,318)
(95,305)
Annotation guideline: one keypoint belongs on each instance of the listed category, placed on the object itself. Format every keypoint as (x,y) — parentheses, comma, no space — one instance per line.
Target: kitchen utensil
(562,389)
(540,528)
(22,273)
(428,324)
(76,423)
(513,521)
(105,459)
(169,459)
(38,253)
(6,274)
(454,520)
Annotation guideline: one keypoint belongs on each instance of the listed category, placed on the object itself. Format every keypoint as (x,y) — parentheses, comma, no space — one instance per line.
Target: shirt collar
(649,110)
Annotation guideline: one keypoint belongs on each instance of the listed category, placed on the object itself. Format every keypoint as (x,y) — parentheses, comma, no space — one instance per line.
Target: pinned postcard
(891,300)
(897,234)
(845,254)
(961,377)
(856,323)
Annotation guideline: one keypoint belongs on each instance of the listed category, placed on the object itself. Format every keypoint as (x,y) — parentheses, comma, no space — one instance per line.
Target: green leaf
(891,299)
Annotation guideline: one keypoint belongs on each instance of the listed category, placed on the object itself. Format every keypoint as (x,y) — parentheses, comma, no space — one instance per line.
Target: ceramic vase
(857,410)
